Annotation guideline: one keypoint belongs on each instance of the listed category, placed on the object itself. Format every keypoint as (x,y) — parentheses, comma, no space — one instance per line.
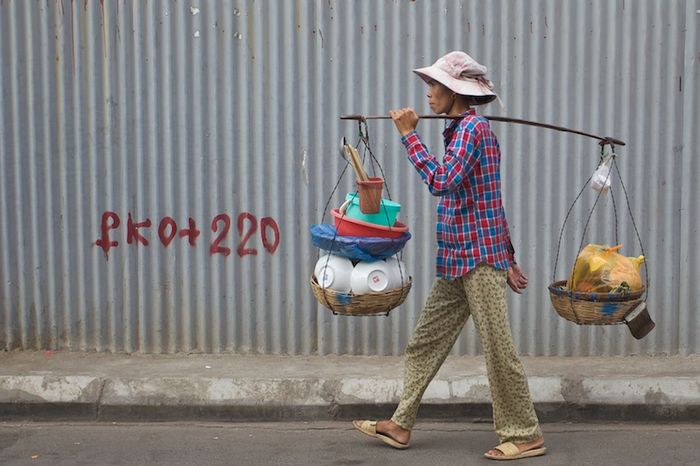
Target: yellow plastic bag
(600,269)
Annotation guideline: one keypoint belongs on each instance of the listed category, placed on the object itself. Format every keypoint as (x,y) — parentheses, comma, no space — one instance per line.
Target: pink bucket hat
(461,74)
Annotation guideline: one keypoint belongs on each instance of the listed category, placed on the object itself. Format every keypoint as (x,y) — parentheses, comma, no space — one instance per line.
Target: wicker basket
(593,308)
(360,305)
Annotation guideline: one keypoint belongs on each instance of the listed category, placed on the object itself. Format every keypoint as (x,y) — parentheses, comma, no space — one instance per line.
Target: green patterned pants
(481,293)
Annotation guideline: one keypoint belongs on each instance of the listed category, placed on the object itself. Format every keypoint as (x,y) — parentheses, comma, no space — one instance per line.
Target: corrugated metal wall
(158,112)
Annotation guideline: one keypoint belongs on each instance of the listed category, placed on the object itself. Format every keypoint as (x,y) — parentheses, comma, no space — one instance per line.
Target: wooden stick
(356,162)
(603,139)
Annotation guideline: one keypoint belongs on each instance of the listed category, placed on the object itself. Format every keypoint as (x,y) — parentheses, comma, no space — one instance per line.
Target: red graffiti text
(138,232)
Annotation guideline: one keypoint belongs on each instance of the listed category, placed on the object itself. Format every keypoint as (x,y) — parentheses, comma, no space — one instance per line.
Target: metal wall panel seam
(673,144)
(307,136)
(418,53)
(225,192)
(137,203)
(166,92)
(346,77)
(261,84)
(238,153)
(688,322)
(43,273)
(63,128)
(514,164)
(529,311)
(603,341)
(110,279)
(674,138)
(6,306)
(52,201)
(318,184)
(74,193)
(156,264)
(88,202)
(195,48)
(420,205)
(286,22)
(16,106)
(124,328)
(293,145)
(650,141)
(302,312)
(256,38)
(621,55)
(621,97)
(182,168)
(308,314)
(195,186)
(653,88)
(583,21)
(181,160)
(29,156)
(635,119)
(536,306)
(371,327)
(658,165)
(213,159)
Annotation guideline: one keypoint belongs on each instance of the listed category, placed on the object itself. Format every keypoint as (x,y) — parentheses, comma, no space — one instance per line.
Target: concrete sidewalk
(107,387)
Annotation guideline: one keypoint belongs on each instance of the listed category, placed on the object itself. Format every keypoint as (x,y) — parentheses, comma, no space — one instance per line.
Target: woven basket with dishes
(360,272)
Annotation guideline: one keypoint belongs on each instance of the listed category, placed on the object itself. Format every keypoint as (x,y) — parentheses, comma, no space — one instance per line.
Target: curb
(557,399)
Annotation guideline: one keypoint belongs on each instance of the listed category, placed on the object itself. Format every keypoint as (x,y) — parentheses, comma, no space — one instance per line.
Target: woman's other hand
(405,119)
(517,280)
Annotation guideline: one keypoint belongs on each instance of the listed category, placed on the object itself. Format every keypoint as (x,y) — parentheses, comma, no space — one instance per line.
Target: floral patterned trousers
(481,293)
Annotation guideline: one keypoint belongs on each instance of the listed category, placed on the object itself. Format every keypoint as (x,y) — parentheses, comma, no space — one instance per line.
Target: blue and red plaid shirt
(471,221)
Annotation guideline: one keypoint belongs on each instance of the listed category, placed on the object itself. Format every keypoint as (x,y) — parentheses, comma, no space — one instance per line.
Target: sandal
(512,452)
(370,428)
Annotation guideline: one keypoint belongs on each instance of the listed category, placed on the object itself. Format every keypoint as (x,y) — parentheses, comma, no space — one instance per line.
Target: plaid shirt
(471,221)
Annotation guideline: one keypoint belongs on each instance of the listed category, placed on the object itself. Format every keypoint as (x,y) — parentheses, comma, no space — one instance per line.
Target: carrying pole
(603,140)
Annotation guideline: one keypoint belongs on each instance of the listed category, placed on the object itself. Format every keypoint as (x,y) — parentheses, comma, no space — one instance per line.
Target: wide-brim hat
(461,74)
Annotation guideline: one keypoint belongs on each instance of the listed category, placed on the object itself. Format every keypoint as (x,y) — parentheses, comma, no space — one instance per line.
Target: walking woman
(475,261)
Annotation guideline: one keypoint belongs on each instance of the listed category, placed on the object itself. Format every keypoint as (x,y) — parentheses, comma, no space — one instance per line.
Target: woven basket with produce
(604,287)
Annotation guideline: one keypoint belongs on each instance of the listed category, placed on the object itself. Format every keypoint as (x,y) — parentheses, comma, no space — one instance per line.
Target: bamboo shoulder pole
(603,139)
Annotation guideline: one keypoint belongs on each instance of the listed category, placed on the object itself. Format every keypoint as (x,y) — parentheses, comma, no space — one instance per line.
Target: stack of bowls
(382,224)
(338,274)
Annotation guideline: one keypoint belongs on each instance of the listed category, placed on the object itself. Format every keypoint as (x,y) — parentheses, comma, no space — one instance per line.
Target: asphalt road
(332,443)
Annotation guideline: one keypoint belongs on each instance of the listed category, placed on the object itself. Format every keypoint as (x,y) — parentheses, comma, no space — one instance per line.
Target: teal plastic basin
(388,211)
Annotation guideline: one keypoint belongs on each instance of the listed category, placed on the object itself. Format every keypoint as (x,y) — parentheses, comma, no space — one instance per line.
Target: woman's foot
(386,431)
(395,431)
(523,447)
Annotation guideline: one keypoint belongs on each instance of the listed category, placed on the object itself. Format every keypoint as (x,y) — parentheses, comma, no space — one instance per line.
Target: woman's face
(440,98)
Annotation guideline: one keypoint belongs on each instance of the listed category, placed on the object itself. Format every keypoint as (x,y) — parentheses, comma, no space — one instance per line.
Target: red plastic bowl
(347,226)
